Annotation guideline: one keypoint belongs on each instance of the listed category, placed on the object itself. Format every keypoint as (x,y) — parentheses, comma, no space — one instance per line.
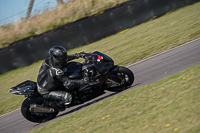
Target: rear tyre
(35,117)
(121,80)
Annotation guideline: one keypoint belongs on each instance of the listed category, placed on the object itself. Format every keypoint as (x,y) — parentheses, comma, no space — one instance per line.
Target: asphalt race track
(146,71)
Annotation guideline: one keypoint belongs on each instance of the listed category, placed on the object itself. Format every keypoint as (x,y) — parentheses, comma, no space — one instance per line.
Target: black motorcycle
(103,74)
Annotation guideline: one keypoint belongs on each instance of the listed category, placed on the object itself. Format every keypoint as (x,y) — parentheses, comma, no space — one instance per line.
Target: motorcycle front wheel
(120,80)
(35,117)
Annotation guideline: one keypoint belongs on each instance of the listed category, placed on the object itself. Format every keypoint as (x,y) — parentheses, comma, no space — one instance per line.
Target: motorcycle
(103,74)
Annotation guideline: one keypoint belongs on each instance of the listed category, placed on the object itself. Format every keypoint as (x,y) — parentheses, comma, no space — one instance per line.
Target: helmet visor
(61,58)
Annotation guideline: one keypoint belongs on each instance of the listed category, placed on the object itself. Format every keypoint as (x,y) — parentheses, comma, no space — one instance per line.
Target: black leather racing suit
(52,79)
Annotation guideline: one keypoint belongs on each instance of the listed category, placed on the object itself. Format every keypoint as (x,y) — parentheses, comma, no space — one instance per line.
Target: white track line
(162,53)
(9,113)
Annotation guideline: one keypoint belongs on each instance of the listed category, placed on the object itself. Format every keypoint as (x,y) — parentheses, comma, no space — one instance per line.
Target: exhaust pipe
(40,109)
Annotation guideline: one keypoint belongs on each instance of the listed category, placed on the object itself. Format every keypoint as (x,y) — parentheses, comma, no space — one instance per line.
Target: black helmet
(58,54)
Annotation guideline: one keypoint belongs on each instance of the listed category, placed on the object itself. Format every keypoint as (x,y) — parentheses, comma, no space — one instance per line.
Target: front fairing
(105,57)
(104,67)
(99,61)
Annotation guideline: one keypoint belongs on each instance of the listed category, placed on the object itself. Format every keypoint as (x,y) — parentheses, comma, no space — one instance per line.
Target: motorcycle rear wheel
(122,79)
(35,117)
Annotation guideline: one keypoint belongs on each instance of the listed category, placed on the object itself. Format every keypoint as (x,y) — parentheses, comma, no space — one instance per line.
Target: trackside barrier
(84,31)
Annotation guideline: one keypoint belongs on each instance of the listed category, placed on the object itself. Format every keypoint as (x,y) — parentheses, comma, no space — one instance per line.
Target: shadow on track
(96,99)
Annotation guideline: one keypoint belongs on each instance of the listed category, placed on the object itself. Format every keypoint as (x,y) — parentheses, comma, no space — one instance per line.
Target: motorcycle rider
(52,77)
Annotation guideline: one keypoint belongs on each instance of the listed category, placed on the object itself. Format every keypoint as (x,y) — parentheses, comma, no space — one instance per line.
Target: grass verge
(169,105)
(126,47)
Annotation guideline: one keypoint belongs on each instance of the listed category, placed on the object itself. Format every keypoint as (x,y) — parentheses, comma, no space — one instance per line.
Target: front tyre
(35,117)
(122,79)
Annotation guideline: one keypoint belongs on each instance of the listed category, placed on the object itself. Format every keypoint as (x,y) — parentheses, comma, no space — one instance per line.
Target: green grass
(169,105)
(126,47)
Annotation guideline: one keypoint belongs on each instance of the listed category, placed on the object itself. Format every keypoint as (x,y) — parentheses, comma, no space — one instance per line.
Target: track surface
(146,72)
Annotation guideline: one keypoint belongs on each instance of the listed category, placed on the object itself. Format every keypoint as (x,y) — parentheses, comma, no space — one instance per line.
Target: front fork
(106,75)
